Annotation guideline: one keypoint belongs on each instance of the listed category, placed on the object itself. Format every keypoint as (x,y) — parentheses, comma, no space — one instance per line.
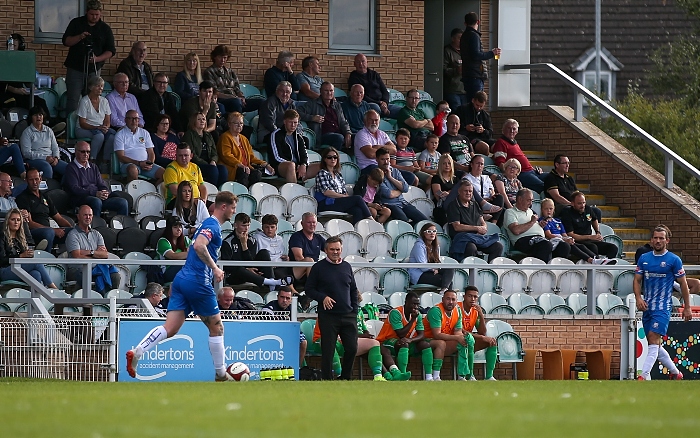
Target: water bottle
(10,43)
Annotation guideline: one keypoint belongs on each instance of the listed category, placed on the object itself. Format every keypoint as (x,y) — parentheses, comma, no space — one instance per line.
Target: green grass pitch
(46,408)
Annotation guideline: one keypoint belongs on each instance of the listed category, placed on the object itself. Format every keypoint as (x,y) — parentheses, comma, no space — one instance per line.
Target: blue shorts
(656,321)
(194,297)
(151,174)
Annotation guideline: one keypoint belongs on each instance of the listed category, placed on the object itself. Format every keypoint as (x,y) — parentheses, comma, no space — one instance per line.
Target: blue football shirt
(659,272)
(195,270)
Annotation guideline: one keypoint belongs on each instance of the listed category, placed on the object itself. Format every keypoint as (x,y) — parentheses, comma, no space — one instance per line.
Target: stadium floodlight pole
(597,48)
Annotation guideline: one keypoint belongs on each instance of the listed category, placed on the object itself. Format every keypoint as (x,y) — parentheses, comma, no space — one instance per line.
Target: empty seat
(494,303)
(394,280)
(525,304)
(377,245)
(553,304)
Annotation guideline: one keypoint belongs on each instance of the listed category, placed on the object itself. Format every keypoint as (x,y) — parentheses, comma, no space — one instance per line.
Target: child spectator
(379,212)
(428,160)
(440,120)
(405,159)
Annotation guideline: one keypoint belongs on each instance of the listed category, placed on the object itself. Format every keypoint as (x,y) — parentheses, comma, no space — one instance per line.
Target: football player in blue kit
(656,271)
(192,290)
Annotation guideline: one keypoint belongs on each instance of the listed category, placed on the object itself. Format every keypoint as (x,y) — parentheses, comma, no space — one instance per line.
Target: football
(238,371)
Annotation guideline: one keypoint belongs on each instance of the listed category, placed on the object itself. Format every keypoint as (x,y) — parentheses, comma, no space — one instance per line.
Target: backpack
(308,373)
(242,304)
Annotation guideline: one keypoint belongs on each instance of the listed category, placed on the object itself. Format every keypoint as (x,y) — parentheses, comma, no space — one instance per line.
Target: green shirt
(164,246)
(417,114)
(435,318)
(396,321)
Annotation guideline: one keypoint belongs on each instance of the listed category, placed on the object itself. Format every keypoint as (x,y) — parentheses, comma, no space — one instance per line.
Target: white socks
(436,375)
(272,282)
(216,347)
(652,355)
(666,361)
(393,367)
(151,340)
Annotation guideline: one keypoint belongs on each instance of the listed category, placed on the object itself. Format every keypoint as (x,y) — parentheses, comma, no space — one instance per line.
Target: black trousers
(543,249)
(333,325)
(442,279)
(239,274)
(606,249)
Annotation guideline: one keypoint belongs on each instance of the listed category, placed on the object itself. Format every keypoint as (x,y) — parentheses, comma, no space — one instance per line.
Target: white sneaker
(428,378)
(462,378)
(492,378)
(472,378)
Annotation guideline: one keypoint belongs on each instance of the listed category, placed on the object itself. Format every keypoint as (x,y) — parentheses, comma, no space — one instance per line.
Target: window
(605,83)
(51,18)
(352,25)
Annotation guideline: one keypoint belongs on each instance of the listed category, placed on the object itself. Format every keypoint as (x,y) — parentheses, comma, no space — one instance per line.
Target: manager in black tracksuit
(332,284)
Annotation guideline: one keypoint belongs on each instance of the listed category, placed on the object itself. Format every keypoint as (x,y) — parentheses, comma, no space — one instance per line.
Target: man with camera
(134,150)
(91,43)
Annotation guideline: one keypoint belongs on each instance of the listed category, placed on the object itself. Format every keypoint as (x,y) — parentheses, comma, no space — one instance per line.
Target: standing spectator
(172,246)
(134,150)
(580,223)
(369,140)
(225,80)
(391,191)
(164,141)
(236,153)
(39,146)
(309,80)
(452,71)
(330,191)
(474,70)
(121,101)
(156,101)
(507,147)
(187,81)
(376,93)
(14,243)
(282,71)
(476,123)
(327,120)
(332,285)
(305,245)
(355,108)
(427,250)
(192,211)
(202,103)
(204,152)
(414,119)
(91,42)
(137,69)
(183,169)
(84,183)
(94,120)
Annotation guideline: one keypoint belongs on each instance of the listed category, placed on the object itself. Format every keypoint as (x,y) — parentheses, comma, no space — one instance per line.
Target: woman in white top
(39,146)
(483,186)
(427,250)
(94,117)
(191,211)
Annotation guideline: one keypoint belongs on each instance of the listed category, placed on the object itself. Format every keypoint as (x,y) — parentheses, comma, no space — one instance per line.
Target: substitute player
(402,335)
(656,271)
(445,328)
(192,290)
(473,316)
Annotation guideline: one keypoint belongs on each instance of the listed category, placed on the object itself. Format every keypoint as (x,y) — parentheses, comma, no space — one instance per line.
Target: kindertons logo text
(167,356)
(266,351)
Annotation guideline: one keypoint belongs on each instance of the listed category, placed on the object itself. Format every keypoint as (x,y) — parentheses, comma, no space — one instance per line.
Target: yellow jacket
(231,155)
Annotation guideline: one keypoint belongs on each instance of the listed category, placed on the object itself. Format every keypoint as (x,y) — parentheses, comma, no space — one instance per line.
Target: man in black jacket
(476,123)
(332,284)
(473,56)
(157,101)
(137,69)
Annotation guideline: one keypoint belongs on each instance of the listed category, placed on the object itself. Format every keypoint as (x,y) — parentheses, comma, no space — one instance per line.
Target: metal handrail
(580,91)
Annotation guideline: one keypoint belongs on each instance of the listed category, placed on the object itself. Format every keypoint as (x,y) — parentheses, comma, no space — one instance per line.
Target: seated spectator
(507,147)
(240,246)
(559,186)
(191,210)
(287,151)
(41,210)
(305,246)
(154,294)
(355,108)
(467,227)
(282,71)
(272,111)
(555,233)
(14,94)
(428,160)
(456,144)
(282,304)
(414,119)
(137,69)
(156,101)
(369,140)
(204,152)
(84,183)
(94,121)
(405,158)
(8,150)
(327,120)
(376,93)
(525,232)
(391,191)
(121,101)
(164,141)
(187,81)
(442,183)
(309,80)
(476,123)
(225,81)
(84,242)
(330,191)
(483,185)
(442,110)
(7,201)
(134,150)
(427,250)
(581,224)
(201,104)
(172,246)
(183,169)
(267,239)
(236,153)
(15,243)
(367,187)
(507,183)
(39,146)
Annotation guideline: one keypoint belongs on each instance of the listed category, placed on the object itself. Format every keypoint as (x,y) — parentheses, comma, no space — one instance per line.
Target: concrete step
(546,165)
(536,155)
(629,255)
(633,244)
(633,233)
(620,222)
(609,210)
(595,199)
(583,188)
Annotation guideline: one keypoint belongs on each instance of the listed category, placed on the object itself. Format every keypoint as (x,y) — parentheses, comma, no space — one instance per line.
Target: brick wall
(255,31)
(542,129)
